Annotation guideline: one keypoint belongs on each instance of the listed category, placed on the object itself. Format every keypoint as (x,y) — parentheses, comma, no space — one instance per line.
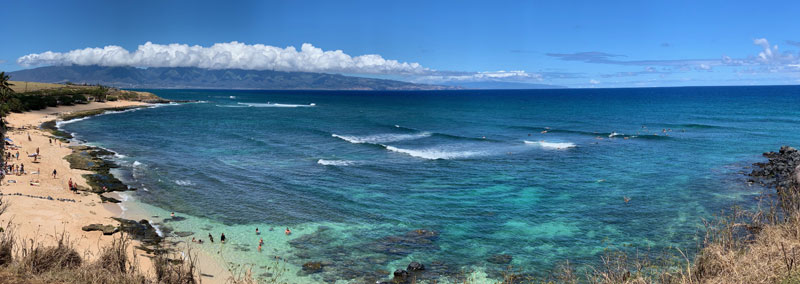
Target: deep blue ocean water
(540,175)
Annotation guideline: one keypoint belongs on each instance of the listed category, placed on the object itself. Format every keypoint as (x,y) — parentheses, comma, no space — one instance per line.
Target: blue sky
(567,43)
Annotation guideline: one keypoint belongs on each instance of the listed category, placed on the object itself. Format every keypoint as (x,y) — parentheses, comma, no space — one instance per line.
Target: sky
(577,44)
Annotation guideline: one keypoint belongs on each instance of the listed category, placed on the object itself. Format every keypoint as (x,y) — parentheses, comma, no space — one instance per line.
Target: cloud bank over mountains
(231,55)
(236,55)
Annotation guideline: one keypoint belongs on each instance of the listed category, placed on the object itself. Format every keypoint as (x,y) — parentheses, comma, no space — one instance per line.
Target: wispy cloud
(231,55)
(769,59)
(791,42)
(608,58)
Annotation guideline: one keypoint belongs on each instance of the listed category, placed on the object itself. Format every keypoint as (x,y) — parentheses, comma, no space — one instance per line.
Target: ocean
(497,178)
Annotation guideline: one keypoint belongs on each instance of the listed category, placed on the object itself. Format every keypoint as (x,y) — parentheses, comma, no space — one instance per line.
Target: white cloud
(594,82)
(231,55)
(498,76)
(771,55)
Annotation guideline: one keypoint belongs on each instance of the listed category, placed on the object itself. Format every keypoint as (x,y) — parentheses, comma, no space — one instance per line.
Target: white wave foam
(615,134)
(335,162)
(434,153)
(184,182)
(275,105)
(237,106)
(381,138)
(552,145)
(137,164)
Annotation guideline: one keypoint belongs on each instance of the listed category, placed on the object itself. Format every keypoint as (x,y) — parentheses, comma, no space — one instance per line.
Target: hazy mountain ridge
(189,77)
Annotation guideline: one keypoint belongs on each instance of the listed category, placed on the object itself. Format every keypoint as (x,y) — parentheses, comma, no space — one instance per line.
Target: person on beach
(222,238)
(55,173)
(17,155)
(210,237)
(21,169)
(288,232)
(37,151)
(50,140)
(69,183)
(29,137)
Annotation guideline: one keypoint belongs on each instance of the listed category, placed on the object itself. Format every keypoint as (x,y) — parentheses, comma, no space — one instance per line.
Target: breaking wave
(434,153)
(276,105)
(335,162)
(552,145)
(381,138)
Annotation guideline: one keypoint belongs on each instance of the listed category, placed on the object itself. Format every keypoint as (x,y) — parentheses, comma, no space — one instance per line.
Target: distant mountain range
(187,77)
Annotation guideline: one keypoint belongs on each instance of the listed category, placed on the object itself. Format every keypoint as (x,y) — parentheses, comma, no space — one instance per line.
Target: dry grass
(22,86)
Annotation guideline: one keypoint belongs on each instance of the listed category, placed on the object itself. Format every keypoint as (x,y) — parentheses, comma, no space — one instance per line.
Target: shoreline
(41,206)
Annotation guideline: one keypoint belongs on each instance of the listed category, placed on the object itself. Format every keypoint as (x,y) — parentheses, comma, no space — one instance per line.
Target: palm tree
(4,84)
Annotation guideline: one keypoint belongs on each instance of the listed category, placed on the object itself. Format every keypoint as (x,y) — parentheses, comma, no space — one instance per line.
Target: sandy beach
(41,206)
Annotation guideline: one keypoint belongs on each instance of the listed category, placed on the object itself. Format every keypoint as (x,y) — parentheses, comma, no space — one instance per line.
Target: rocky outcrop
(780,170)
(106,229)
(141,231)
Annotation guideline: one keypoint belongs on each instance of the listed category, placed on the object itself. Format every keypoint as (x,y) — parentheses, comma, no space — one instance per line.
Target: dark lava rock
(106,229)
(312,267)
(500,259)
(780,170)
(108,199)
(141,230)
(400,276)
(415,266)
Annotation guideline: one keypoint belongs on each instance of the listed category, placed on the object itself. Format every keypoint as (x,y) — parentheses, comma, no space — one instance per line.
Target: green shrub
(79,99)
(66,100)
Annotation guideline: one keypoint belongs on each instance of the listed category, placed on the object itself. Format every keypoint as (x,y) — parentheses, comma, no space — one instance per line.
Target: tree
(4,84)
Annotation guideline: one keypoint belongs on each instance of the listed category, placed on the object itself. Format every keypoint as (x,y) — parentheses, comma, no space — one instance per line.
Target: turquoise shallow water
(539,175)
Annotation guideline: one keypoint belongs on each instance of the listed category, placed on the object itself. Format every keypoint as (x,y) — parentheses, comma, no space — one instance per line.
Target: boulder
(400,276)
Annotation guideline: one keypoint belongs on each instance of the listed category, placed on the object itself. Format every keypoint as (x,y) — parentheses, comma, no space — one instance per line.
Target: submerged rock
(312,267)
(500,259)
(406,244)
(106,229)
(415,266)
(400,276)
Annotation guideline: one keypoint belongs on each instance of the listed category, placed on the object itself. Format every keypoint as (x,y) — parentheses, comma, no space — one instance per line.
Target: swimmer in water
(172,214)
(288,232)
(261,241)
(193,240)
(222,238)
(210,237)
(259,247)
(257,232)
